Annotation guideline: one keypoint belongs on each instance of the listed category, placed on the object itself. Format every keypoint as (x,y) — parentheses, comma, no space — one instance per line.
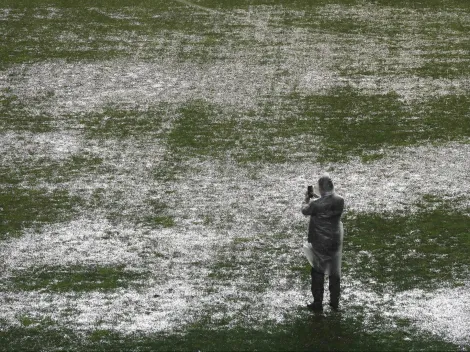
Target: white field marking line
(198,6)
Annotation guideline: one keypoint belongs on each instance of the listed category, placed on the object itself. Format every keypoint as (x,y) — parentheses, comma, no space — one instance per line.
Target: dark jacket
(325,231)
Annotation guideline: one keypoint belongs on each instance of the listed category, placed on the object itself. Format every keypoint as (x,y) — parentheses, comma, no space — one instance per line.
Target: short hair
(325,183)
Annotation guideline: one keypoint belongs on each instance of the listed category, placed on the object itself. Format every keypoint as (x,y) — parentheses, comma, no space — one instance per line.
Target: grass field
(154,157)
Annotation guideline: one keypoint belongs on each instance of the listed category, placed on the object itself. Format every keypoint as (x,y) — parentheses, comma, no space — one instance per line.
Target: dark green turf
(15,116)
(353,124)
(408,250)
(201,129)
(345,123)
(33,208)
(72,279)
(307,332)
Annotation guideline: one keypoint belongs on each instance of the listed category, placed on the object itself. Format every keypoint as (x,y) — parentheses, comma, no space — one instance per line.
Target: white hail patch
(68,88)
(29,147)
(445,312)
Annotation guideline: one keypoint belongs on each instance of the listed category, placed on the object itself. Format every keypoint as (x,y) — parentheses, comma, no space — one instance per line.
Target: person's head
(325,184)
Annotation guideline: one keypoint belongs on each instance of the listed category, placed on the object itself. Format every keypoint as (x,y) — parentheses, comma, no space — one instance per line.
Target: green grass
(200,129)
(407,251)
(307,332)
(33,208)
(205,129)
(427,4)
(353,124)
(347,122)
(31,38)
(90,32)
(31,205)
(248,257)
(72,279)
(168,170)
(160,221)
(15,116)
(438,67)
(397,251)
(152,214)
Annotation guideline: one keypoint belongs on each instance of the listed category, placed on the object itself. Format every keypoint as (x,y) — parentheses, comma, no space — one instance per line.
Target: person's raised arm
(308,207)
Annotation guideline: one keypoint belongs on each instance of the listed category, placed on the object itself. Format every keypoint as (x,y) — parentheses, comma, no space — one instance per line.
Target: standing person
(325,234)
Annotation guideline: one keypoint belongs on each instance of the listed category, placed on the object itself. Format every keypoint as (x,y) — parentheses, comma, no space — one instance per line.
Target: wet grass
(42,169)
(72,279)
(168,170)
(119,124)
(26,203)
(303,4)
(15,114)
(305,333)
(432,245)
(95,31)
(353,124)
(37,32)
(203,129)
(386,251)
(160,221)
(156,215)
(429,4)
(33,208)
(199,130)
(30,37)
(437,68)
(247,261)
(393,251)
(345,122)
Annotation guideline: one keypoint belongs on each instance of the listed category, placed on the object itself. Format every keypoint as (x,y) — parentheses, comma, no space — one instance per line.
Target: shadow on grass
(304,332)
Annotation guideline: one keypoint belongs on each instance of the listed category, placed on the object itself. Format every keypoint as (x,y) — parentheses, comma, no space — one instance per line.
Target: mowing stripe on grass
(198,6)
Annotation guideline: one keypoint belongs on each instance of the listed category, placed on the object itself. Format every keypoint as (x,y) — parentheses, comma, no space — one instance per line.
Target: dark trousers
(318,282)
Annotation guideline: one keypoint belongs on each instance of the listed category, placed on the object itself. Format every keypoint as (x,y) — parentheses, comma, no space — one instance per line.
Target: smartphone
(310,191)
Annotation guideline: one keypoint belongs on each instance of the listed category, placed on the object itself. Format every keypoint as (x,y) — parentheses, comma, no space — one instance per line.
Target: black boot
(315,306)
(318,282)
(334,305)
(334,287)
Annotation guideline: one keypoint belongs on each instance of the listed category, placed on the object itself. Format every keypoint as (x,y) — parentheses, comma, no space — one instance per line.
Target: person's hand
(307,198)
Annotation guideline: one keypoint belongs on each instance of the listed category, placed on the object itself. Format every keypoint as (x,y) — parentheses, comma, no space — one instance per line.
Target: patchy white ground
(445,312)
(215,205)
(82,87)
(217,202)
(27,147)
(281,60)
